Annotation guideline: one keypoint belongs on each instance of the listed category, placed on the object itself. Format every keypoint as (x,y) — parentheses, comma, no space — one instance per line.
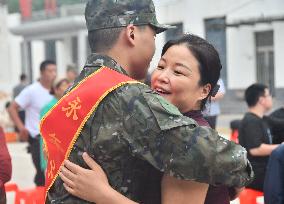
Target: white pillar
(67,50)
(60,59)
(37,56)
(26,59)
(5,74)
(82,49)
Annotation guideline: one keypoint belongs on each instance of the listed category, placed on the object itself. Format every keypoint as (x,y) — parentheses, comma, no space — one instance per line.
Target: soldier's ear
(130,34)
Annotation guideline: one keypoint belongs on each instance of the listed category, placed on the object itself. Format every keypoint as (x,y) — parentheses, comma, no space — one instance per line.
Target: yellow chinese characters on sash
(61,126)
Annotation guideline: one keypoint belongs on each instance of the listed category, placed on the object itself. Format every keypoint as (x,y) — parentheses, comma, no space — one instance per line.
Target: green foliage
(13,5)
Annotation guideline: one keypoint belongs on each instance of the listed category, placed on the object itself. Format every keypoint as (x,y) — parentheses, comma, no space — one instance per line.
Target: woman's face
(177,79)
(59,92)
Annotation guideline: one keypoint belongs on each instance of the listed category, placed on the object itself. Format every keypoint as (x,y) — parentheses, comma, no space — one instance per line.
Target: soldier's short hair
(103,40)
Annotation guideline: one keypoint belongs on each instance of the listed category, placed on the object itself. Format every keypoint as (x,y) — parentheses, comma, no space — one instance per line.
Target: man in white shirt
(32,99)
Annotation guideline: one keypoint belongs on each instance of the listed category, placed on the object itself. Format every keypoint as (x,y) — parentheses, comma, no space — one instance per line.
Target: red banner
(62,125)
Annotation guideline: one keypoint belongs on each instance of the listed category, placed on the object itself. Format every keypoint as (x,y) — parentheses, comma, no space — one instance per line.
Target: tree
(13,5)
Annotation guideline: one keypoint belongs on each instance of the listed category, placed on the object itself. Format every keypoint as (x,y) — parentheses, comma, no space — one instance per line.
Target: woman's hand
(91,185)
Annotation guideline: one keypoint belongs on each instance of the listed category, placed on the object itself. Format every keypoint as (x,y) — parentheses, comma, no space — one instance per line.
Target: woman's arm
(182,192)
(91,185)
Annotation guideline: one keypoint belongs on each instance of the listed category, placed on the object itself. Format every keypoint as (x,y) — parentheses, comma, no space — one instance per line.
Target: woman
(186,76)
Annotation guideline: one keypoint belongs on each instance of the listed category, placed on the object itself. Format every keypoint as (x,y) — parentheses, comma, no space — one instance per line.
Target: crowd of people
(29,104)
(139,144)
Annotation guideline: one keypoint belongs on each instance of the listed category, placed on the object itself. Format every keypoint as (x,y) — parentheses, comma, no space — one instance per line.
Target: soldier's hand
(24,134)
(91,185)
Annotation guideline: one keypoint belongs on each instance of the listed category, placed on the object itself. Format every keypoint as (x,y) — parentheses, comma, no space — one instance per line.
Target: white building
(249,35)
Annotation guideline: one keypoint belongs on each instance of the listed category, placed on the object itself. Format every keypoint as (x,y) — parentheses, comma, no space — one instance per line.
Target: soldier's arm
(174,144)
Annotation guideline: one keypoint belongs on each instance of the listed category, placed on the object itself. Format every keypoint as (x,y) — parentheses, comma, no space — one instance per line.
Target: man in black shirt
(254,132)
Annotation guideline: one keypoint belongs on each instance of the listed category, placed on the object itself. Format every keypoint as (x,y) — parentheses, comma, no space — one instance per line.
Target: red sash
(61,126)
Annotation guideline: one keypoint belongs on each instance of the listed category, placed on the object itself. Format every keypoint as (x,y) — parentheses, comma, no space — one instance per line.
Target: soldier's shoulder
(149,97)
(134,88)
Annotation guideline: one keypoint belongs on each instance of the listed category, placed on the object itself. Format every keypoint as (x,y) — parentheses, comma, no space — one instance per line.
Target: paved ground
(23,170)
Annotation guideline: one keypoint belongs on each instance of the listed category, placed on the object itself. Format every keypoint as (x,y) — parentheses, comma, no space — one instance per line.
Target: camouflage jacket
(135,129)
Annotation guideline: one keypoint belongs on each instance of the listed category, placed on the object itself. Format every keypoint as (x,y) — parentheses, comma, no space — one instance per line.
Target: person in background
(32,99)
(71,73)
(276,121)
(17,90)
(57,91)
(254,132)
(274,179)
(5,166)
(213,108)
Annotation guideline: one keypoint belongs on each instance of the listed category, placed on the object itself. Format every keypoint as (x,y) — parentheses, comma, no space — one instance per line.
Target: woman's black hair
(207,57)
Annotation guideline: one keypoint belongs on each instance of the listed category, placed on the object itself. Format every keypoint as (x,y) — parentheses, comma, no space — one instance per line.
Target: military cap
(103,14)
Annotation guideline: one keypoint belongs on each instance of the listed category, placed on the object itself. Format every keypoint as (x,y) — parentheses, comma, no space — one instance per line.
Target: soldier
(131,130)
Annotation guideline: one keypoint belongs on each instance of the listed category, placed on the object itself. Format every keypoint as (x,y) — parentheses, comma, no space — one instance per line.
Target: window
(175,32)
(265,59)
(216,34)
(50,50)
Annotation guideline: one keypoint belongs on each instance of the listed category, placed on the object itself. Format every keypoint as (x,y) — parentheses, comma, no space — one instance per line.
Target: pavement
(23,170)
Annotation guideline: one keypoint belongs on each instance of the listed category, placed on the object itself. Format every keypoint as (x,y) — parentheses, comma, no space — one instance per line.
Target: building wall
(5,78)
(10,52)
(279,49)
(241,63)
(240,56)
(38,53)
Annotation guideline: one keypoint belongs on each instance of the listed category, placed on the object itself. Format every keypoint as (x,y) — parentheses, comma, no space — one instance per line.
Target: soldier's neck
(120,57)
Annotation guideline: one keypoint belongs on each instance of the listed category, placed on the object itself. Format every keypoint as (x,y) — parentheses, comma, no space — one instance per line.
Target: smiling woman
(187,76)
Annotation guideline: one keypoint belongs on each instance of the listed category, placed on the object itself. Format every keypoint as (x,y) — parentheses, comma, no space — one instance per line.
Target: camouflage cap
(102,14)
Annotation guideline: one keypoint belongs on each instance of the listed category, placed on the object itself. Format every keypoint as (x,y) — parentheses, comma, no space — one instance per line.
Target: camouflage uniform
(134,126)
